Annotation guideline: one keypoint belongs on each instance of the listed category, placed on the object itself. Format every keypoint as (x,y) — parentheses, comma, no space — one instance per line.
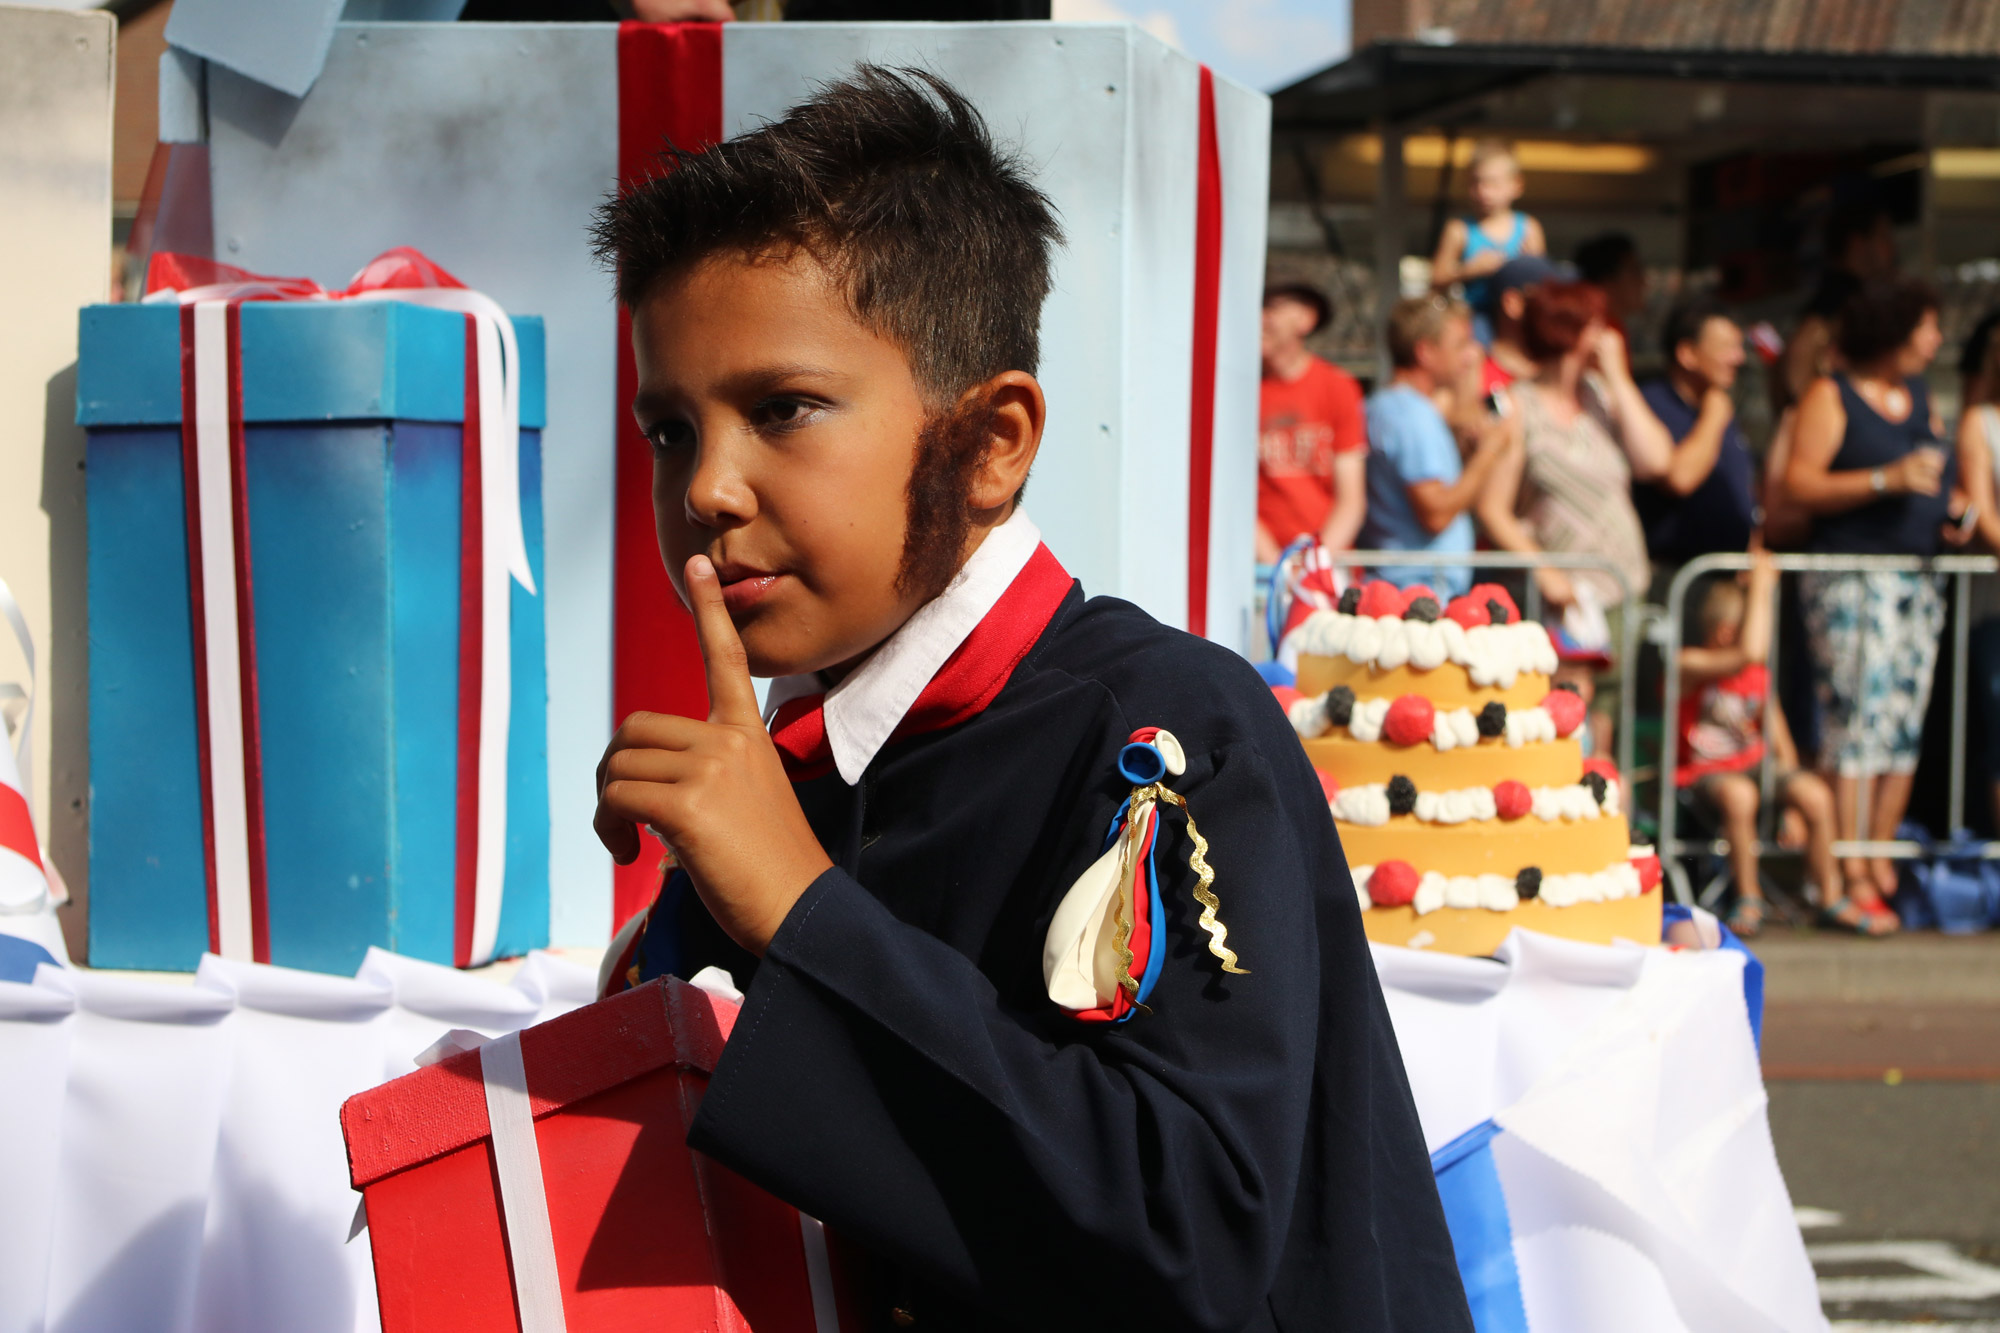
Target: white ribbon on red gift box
(524,1203)
(211,296)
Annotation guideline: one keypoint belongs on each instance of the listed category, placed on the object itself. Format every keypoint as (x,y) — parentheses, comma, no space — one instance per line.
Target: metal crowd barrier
(1627,661)
(1671,847)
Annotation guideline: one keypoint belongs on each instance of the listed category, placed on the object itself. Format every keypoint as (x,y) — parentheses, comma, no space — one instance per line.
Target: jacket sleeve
(1146,1169)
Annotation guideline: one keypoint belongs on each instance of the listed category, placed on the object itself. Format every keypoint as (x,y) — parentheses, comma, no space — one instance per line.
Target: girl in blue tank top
(1473,248)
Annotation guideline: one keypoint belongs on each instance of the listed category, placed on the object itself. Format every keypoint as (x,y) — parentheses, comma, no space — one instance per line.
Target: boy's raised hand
(716,791)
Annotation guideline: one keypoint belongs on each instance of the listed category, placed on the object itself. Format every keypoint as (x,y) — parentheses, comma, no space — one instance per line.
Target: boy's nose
(718,494)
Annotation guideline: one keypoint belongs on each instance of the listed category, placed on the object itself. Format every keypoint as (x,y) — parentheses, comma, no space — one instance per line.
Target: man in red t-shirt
(1312,441)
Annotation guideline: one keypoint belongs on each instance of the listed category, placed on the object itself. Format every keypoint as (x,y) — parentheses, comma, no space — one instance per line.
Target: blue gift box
(353,428)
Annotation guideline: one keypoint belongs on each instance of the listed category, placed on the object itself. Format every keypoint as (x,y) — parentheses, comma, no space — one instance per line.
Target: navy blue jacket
(1246,1155)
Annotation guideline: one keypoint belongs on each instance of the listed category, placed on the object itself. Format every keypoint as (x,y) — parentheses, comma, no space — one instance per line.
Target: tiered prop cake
(1463,799)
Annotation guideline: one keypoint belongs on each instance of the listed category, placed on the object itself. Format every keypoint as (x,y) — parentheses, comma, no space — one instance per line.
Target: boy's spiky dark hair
(890,178)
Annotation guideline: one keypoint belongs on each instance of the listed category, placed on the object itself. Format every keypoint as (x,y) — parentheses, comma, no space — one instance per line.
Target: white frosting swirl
(1442,735)
(1455,807)
(1367,804)
(1427,646)
(1464,727)
(1492,654)
(1308,717)
(1461,891)
(1529,724)
(1395,645)
(1364,645)
(1451,728)
(1365,722)
(1496,893)
(1572,803)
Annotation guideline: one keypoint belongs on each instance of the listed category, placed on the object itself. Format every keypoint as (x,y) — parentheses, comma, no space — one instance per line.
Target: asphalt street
(1883,1065)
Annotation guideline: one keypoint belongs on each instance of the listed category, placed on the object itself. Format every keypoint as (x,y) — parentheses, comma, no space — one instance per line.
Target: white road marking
(1810,1219)
(1946,1275)
(1928,1326)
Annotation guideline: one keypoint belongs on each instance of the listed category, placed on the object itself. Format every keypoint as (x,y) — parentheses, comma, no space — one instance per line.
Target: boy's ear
(1016,411)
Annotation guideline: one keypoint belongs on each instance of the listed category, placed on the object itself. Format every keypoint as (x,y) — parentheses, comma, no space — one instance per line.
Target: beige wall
(55,227)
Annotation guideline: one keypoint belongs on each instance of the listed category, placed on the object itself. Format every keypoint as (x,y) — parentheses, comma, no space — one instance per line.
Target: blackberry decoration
(1496,610)
(1350,601)
(1528,883)
(1339,704)
(1402,795)
(1568,686)
(1425,609)
(1598,786)
(1492,720)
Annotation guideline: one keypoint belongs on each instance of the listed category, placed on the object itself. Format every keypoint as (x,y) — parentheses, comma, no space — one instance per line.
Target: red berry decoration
(1327,784)
(1468,613)
(1649,872)
(1409,720)
(1286,696)
(1484,593)
(1566,709)
(1381,598)
(1601,766)
(1512,799)
(1394,884)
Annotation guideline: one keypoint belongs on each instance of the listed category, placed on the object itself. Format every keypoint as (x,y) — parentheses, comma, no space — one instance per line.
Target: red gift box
(644,1232)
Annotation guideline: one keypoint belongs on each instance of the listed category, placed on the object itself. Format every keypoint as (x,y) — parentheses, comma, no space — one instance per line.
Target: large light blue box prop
(487,145)
(354,415)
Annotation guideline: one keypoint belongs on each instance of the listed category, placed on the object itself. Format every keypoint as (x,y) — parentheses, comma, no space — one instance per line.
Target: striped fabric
(1576,490)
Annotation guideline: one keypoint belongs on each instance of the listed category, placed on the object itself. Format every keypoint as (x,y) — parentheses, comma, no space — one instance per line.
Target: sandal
(1853,915)
(1746,919)
(1882,918)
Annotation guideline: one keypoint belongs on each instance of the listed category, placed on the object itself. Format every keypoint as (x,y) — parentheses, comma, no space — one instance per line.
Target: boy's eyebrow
(744,383)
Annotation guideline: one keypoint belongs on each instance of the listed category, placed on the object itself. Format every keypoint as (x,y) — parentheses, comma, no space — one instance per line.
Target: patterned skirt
(1874,643)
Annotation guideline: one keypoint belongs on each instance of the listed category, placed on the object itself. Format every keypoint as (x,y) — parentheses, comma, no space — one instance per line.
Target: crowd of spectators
(1511,420)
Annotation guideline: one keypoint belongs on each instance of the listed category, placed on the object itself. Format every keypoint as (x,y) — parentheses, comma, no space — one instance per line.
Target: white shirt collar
(865,707)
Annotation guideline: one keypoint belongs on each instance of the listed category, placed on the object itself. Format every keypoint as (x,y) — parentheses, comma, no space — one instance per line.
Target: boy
(1472,249)
(1312,448)
(1724,685)
(1419,487)
(835,319)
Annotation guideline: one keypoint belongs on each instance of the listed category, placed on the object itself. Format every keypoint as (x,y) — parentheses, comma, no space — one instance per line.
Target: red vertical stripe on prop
(1207,305)
(17,827)
(471,629)
(669,91)
(198,618)
(246,648)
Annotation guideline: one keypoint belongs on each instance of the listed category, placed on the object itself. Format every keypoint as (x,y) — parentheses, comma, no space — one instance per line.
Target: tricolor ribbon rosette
(492,552)
(1102,957)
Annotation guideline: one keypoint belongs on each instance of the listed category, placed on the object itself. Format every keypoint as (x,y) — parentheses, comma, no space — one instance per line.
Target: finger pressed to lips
(731,697)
